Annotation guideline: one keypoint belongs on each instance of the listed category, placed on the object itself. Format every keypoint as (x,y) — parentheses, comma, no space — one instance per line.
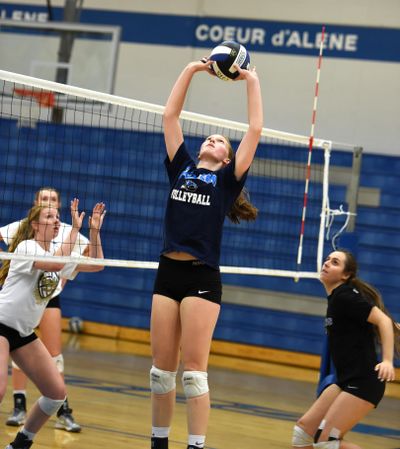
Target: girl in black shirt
(355,317)
(187,291)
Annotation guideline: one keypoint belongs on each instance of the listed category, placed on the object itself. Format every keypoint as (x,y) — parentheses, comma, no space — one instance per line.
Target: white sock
(160,432)
(20,392)
(197,440)
(30,435)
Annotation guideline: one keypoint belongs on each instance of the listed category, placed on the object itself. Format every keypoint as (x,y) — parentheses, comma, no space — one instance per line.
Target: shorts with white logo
(178,279)
(369,388)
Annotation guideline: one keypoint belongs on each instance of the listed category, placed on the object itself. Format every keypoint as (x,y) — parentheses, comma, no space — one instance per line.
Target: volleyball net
(100,147)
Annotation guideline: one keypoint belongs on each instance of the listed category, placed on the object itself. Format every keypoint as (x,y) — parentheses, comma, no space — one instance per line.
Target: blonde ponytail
(25,232)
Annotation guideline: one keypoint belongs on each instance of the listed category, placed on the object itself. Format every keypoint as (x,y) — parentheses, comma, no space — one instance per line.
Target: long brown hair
(242,208)
(370,292)
(25,232)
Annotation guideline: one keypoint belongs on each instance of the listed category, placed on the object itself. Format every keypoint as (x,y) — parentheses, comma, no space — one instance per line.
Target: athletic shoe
(66,421)
(18,415)
(21,442)
(17,418)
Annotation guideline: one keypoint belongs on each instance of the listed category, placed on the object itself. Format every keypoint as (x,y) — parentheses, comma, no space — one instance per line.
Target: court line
(232,406)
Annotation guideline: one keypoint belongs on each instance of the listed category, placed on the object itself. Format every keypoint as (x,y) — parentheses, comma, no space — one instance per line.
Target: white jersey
(27,290)
(8,232)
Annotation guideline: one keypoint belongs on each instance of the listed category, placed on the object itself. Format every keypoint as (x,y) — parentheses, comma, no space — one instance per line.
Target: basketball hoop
(35,104)
(44,98)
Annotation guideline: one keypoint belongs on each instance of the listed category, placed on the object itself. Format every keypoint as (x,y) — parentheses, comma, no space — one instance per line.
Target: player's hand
(245,74)
(385,371)
(97,217)
(204,65)
(77,218)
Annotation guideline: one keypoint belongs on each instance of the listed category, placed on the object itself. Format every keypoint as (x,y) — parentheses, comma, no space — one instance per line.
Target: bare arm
(172,129)
(95,246)
(385,326)
(248,145)
(77,218)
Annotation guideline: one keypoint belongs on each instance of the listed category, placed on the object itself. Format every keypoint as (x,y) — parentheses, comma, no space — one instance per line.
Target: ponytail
(242,209)
(25,232)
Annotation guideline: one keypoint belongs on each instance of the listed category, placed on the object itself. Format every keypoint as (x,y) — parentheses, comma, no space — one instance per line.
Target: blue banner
(351,42)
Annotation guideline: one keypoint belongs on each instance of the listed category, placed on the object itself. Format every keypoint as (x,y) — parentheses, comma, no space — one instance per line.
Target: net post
(353,187)
(324,206)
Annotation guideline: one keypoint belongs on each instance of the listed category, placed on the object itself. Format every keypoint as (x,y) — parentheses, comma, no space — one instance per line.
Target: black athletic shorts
(369,388)
(14,339)
(178,279)
(54,303)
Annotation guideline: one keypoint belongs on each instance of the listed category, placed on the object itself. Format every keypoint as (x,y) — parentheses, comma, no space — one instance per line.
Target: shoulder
(345,292)
(349,298)
(27,247)
(9,230)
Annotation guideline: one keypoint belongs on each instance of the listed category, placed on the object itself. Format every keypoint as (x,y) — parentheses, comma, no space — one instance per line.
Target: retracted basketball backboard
(71,53)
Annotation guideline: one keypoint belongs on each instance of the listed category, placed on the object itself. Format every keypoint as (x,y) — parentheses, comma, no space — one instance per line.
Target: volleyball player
(27,287)
(355,317)
(50,324)
(187,291)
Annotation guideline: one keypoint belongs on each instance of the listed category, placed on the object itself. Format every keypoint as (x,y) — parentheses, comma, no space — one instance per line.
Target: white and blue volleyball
(225,56)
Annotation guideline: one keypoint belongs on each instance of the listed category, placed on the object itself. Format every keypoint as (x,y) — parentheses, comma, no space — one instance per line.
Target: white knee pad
(50,406)
(14,365)
(59,361)
(301,438)
(334,444)
(162,382)
(194,383)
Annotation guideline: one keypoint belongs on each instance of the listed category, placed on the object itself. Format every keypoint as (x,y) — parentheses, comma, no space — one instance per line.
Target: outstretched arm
(248,145)
(172,129)
(95,246)
(77,218)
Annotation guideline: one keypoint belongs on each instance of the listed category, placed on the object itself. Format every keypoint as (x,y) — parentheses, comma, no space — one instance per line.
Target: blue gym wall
(358,103)
(123,296)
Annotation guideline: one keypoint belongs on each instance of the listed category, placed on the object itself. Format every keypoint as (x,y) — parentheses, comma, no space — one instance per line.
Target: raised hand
(77,218)
(97,217)
(245,74)
(204,65)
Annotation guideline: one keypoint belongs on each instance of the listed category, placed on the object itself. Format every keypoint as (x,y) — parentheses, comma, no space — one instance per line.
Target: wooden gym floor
(108,389)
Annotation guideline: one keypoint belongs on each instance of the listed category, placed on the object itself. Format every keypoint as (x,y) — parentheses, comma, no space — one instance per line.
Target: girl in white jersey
(27,287)
(187,291)
(50,324)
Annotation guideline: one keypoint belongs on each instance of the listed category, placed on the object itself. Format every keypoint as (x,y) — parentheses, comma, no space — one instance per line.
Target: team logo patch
(46,286)
(189,185)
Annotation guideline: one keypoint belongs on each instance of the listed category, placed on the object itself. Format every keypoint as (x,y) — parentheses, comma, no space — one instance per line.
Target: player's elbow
(256,129)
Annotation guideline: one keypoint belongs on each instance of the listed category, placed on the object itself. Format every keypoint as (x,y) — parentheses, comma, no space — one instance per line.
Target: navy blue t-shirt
(198,202)
(351,337)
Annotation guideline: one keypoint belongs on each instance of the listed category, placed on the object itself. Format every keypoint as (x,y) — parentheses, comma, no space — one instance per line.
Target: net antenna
(310,148)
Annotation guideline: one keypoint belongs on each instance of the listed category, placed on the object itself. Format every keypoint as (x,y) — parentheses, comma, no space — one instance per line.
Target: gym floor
(108,389)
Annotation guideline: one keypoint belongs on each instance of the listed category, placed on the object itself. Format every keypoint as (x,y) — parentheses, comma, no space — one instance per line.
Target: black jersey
(351,337)
(198,202)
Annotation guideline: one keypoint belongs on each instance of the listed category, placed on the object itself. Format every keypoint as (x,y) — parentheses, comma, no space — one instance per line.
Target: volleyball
(225,55)
(75,324)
